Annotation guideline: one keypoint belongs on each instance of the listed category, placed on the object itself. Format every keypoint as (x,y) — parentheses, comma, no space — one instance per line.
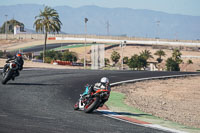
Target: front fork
(81,104)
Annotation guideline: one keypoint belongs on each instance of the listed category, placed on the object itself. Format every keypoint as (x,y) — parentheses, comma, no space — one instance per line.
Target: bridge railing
(41,36)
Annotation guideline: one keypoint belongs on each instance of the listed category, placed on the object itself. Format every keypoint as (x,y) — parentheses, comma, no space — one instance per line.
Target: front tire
(91,105)
(76,106)
(7,76)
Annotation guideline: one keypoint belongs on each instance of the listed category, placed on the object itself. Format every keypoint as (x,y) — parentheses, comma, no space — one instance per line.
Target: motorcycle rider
(103,84)
(18,60)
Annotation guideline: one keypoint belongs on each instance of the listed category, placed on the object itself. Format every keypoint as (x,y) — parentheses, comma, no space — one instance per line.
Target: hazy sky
(186,7)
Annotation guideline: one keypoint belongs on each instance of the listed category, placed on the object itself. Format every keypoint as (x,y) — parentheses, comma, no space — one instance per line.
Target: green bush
(107,61)
(115,56)
(189,62)
(125,60)
(172,65)
(69,56)
(137,62)
(40,56)
(57,55)
(48,60)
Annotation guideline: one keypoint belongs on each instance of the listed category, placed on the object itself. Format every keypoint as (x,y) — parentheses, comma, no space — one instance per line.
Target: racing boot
(102,103)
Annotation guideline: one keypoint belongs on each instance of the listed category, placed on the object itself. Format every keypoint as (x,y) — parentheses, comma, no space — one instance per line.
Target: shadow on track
(130,114)
(124,113)
(29,84)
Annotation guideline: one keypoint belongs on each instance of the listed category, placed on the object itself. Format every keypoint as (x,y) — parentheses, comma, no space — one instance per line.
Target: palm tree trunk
(44,49)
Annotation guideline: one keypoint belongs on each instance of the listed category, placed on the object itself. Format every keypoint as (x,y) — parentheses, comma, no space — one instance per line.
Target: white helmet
(104,80)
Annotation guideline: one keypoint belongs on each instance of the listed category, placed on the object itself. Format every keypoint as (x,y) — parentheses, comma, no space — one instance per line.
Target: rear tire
(89,107)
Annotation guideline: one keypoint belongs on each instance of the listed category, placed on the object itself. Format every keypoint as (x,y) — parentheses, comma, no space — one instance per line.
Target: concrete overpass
(145,42)
(103,39)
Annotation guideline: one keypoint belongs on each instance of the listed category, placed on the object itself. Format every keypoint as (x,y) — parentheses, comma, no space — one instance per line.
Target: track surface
(57,45)
(49,46)
(41,101)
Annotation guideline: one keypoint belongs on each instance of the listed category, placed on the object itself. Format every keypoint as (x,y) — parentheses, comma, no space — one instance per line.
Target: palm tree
(46,22)
(159,53)
(176,55)
(146,54)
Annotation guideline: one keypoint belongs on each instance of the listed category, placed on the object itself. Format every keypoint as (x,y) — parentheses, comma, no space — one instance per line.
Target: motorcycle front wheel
(6,77)
(76,106)
(91,104)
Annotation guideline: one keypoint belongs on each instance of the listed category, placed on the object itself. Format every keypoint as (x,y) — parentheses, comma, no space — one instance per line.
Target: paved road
(41,101)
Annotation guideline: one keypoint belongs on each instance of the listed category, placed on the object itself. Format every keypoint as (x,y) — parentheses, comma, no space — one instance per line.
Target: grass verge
(116,104)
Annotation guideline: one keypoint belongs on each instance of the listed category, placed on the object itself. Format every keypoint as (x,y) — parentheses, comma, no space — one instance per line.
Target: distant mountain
(30,31)
(122,21)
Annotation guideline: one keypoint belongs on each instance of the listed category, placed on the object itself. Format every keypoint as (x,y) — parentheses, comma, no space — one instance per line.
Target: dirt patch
(5,44)
(177,100)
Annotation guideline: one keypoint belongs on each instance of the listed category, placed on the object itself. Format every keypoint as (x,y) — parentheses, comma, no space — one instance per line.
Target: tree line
(139,61)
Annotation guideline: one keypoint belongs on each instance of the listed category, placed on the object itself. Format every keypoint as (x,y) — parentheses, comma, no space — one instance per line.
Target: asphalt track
(49,46)
(57,45)
(41,101)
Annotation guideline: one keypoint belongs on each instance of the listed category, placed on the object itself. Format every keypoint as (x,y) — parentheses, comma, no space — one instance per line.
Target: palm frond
(48,20)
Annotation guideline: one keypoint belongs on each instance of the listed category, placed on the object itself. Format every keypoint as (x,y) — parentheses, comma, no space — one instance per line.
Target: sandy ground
(177,100)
